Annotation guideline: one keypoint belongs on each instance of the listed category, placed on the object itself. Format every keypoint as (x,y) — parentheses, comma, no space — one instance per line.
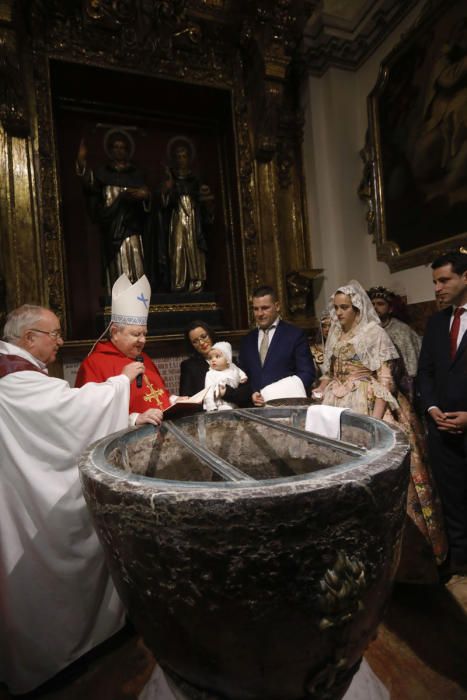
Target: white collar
(272,326)
(11,349)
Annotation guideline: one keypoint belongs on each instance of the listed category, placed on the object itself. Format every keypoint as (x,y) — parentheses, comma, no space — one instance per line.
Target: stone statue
(118,202)
(190,205)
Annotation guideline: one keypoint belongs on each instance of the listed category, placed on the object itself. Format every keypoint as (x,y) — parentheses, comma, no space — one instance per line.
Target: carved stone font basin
(254,557)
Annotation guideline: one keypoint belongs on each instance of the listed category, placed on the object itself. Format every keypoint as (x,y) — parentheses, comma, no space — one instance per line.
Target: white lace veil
(371,342)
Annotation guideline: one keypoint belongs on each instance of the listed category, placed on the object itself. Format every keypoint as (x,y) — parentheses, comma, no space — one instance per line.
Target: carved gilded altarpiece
(238,56)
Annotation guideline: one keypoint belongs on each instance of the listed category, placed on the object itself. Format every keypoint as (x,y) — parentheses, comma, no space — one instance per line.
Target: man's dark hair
(191,327)
(455,258)
(264,291)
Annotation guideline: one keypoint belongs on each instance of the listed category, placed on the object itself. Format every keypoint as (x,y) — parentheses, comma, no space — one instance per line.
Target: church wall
(335,126)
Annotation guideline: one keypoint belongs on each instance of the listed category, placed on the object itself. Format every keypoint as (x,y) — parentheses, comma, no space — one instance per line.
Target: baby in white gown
(223,373)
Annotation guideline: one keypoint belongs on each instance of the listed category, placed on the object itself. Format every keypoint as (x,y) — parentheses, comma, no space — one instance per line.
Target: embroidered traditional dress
(358,367)
(408,344)
(317,353)
(317,347)
(106,361)
(57,600)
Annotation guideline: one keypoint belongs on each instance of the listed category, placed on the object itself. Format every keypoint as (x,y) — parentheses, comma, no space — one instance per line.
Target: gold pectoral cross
(154,395)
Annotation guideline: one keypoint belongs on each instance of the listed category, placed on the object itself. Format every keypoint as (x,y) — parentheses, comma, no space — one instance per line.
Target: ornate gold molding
(270,37)
(78,33)
(348,47)
(13,107)
(299,289)
(161,308)
(246,49)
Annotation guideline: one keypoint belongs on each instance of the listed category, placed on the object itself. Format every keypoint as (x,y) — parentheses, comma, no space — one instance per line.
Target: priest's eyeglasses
(53,334)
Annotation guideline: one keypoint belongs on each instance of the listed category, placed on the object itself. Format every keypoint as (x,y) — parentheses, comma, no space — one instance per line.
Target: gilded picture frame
(415,176)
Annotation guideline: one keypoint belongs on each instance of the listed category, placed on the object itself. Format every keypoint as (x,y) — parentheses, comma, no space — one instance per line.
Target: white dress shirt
(271,330)
(463,323)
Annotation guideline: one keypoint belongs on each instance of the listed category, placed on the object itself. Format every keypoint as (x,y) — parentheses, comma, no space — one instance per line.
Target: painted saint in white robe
(57,600)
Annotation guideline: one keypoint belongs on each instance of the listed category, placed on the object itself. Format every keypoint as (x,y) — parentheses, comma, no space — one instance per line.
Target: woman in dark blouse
(200,338)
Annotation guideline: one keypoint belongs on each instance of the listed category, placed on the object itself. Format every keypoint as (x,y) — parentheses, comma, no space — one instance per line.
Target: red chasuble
(107,361)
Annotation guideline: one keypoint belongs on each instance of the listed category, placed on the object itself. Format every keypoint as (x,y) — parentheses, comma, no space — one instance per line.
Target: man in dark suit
(275,349)
(442,389)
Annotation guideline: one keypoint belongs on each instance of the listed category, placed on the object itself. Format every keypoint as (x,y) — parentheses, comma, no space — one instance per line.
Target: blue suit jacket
(441,381)
(288,354)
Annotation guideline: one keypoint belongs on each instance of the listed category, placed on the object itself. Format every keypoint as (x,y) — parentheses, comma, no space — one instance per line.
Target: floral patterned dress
(354,386)
(317,353)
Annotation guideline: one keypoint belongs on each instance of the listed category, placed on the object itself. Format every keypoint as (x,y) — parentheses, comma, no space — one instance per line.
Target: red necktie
(454,332)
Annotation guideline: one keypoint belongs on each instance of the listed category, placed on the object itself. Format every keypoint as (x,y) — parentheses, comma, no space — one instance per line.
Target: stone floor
(420,653)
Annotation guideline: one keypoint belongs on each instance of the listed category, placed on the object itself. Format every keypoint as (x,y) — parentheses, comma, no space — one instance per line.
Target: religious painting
(145,174)
(416,156)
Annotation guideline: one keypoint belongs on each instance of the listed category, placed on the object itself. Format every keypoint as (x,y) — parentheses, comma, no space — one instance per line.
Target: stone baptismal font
(254,557)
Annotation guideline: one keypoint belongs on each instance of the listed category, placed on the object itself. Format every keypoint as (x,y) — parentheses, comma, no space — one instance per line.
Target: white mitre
(130,302)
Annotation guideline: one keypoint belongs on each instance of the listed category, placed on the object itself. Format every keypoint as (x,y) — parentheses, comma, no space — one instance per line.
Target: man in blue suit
(275,349)
(442,389)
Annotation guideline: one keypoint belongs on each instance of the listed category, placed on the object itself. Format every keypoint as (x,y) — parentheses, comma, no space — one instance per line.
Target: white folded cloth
(324,420)
(287,388)
(366,684)
(158,688)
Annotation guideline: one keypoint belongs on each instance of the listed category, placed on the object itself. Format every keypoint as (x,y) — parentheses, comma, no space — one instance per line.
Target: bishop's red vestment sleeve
(106,361)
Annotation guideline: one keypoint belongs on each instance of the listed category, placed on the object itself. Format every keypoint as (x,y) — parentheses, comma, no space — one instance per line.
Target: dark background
(419,212)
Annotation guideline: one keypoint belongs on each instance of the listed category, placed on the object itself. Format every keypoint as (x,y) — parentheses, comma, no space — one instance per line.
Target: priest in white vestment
(57,600)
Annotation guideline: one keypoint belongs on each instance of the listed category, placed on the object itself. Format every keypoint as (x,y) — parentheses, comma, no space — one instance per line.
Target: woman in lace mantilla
(357,375)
